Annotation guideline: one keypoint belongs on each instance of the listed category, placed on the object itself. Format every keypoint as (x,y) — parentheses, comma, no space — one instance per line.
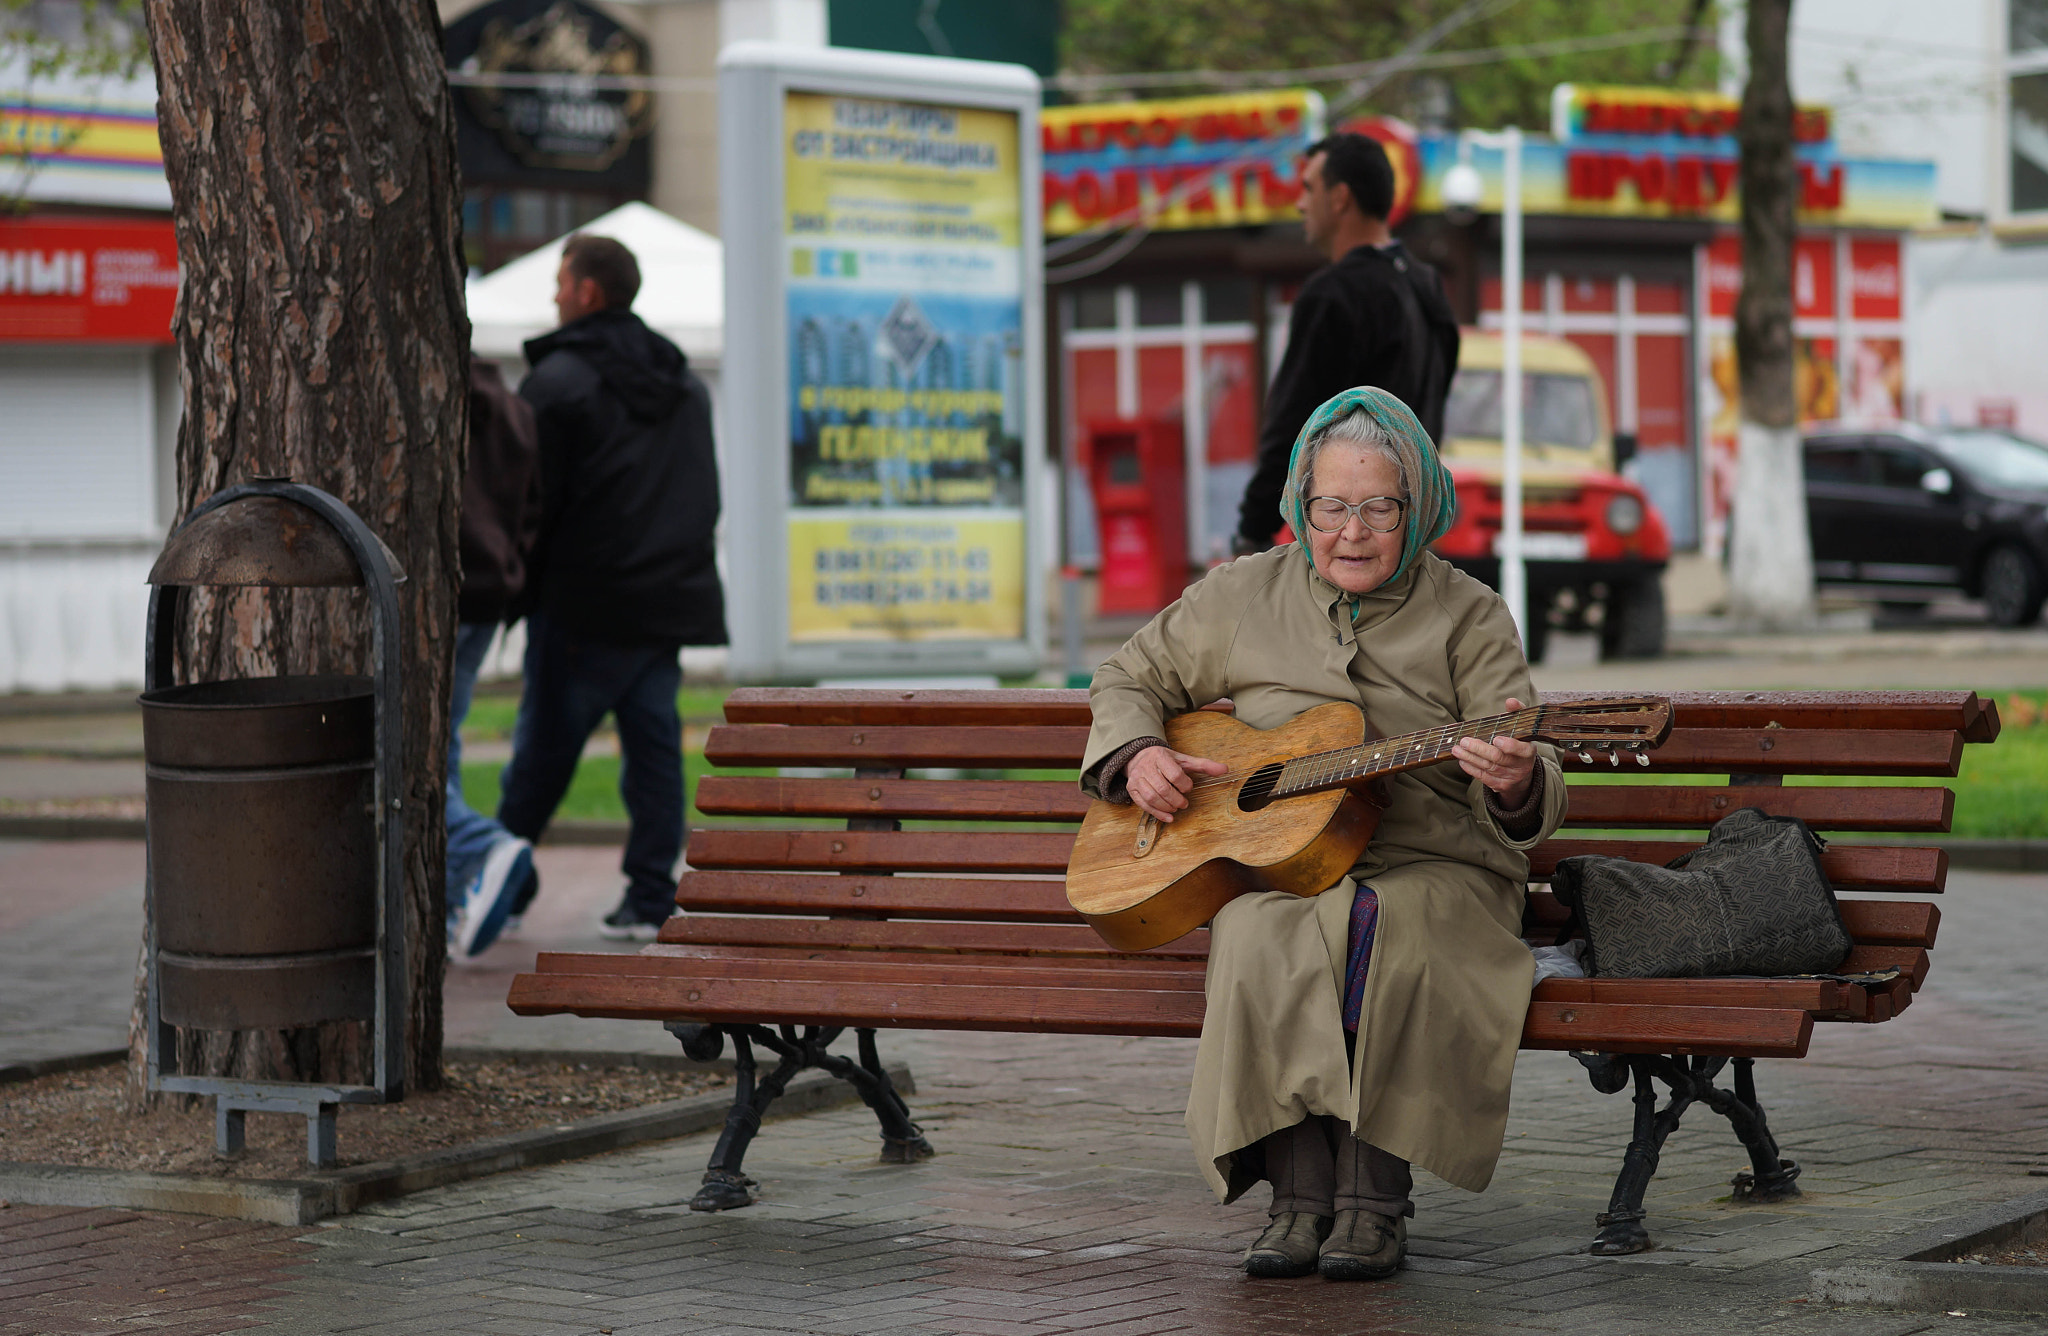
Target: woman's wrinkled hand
(1158,779)
(1504,765)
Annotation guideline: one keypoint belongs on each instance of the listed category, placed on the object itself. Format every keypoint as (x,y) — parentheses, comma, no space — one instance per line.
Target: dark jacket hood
(641,367)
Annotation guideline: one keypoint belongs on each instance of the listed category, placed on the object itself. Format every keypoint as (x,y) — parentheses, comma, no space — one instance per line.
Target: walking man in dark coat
(623,574)
(1375,315)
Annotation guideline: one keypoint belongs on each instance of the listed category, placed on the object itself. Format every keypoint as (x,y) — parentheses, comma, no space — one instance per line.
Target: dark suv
(1904,512)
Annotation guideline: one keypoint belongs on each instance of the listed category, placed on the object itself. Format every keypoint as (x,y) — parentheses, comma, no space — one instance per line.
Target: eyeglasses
(1381,514)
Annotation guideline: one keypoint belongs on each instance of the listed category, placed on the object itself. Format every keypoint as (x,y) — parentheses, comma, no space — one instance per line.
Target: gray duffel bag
(1751,901)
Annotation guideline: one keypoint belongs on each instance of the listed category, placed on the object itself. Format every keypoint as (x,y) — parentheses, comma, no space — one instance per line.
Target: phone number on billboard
(894,576)
(901,593)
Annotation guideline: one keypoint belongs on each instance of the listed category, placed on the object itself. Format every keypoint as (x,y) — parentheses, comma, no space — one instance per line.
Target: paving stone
(1062,1199)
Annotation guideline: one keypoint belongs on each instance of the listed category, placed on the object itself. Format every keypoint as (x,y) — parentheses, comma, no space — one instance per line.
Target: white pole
(1514,584)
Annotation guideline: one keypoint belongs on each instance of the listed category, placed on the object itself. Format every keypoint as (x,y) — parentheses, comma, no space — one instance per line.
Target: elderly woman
(1353,1033)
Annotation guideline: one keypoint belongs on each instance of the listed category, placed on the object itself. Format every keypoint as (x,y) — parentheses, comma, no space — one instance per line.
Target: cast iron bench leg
(1768,1179)
(725,1185)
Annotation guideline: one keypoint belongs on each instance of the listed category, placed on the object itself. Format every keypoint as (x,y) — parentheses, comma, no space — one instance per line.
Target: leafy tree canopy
(1464,76)
(77,37)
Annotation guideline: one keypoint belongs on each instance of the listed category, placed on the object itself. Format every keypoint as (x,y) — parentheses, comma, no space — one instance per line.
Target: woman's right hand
(1158,780)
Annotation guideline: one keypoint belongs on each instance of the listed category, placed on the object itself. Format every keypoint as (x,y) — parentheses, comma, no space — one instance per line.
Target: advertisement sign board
(1226,161)
(1655,153)
(883,335)
(94,280)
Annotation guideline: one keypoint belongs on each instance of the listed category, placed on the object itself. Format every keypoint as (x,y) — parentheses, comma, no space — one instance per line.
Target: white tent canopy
(682,288)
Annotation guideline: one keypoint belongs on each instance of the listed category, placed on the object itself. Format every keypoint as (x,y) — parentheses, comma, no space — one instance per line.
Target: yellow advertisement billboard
(903,291)
(906,576)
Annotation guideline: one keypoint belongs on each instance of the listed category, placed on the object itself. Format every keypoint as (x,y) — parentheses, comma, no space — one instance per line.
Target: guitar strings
(1409,745)
(1320,767)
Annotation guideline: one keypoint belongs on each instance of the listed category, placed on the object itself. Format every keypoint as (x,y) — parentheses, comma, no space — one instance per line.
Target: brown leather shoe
(1363,1246)
(1288,1247)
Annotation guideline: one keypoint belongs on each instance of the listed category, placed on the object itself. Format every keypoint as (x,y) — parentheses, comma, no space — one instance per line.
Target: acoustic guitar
(1295,809)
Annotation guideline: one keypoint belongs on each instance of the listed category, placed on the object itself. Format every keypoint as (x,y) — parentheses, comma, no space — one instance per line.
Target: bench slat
(1112,967)
(1014,900)
(1850,867)
(883,850)
(970,747)
(1047,939)
(1736,1031)
(1911,961)
(1817,995)
(1005,898)
(912,1006)
(928,799)
(1755,1032)
(1872,922)
(1961,711)
(1681,807)
(868,967)
(1789,751)
(1857,867)
(1655,806)
(1689,750)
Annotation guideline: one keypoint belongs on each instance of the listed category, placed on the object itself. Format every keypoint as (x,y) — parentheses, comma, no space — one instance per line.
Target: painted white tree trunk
(1770,565)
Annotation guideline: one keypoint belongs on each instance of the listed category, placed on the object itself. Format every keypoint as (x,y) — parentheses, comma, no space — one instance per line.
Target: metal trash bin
(263,846)
(276,818)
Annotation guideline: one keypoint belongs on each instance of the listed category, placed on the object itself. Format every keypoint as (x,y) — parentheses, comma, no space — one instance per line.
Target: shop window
(1159,304)
(1226,301)
(2027,26)
(2027,135)
(1095,308)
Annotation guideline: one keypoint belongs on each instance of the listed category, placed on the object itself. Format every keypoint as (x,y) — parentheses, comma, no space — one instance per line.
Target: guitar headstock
(1613,725)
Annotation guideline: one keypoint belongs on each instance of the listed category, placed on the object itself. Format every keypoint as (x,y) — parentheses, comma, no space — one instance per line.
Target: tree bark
(323,335)
(1771,557)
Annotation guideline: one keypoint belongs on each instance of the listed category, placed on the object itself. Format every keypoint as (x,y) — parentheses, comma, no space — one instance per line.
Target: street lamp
(1463,189)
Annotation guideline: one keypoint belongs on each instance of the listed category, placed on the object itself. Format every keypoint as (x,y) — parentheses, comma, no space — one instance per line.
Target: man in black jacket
(1375,315)
(623,574)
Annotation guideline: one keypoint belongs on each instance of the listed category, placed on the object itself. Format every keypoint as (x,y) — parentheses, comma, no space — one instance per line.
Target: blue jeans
(571,684)
(470,833)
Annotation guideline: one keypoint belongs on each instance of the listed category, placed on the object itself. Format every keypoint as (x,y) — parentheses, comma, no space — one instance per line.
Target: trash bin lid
(261,540)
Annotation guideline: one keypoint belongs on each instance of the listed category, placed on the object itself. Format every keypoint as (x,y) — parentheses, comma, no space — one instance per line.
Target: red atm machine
(1140,488)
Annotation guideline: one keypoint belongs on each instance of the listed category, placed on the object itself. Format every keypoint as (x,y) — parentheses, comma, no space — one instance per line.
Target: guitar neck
(1388,756)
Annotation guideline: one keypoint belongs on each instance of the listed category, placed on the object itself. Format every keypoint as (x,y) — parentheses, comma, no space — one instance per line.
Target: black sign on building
(546,137)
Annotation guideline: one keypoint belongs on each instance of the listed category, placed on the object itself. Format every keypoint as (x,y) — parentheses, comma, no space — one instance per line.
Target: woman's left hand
(1503,765)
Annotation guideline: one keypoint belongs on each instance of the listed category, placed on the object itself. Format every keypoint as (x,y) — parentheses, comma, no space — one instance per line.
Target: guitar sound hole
(1256,792)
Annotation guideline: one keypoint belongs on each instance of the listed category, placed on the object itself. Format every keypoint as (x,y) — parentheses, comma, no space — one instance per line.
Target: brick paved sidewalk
(1063,1200)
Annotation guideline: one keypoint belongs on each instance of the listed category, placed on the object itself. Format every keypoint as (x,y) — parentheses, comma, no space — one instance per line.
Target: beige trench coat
(1448,986)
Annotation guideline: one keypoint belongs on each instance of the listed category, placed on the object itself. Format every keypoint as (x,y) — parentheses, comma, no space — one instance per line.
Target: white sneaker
(508,867)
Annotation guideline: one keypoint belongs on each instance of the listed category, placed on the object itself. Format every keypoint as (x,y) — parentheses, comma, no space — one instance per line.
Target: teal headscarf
(1432,500)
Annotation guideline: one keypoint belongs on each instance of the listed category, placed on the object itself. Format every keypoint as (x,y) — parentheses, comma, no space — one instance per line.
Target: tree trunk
(1771,558)
(323,335)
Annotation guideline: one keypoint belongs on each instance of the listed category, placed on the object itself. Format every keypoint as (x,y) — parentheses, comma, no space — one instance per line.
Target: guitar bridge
(1148,835)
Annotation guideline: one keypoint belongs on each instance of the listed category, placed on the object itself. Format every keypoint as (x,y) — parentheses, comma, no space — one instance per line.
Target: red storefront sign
(1875,282)
(87,280)
(1654,113)
(1684,182)
(1813,276)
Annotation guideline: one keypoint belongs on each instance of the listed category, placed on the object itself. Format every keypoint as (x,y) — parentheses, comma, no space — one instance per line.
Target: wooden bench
(836,916)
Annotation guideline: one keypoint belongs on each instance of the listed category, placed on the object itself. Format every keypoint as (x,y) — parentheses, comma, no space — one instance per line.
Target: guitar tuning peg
(1642,760)
(1614,758)
(1585,758)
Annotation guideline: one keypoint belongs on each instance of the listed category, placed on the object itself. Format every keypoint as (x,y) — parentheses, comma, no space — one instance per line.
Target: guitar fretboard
(1386,756)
